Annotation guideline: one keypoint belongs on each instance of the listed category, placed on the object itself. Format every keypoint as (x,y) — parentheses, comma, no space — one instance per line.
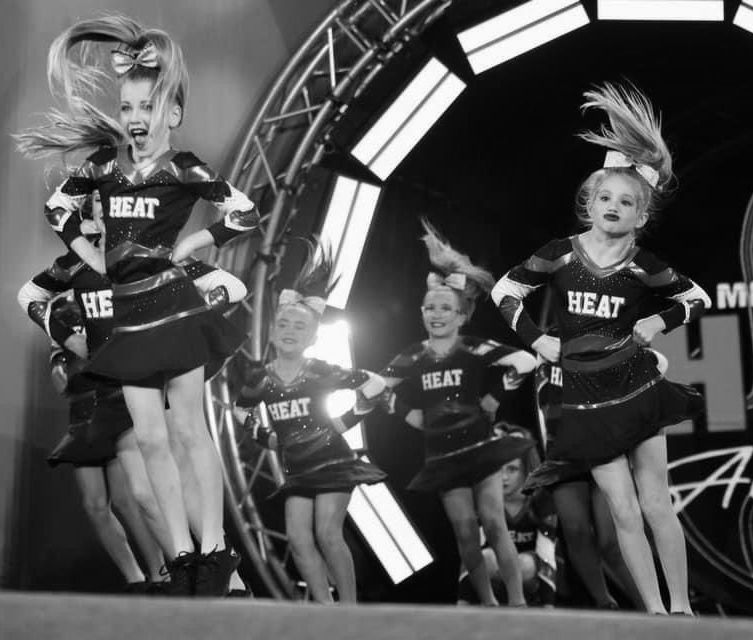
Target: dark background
(498,176)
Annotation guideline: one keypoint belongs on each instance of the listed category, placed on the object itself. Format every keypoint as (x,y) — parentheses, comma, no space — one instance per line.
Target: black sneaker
(137,588)
(182,572)
(158,588)
(239,593)
(213,571)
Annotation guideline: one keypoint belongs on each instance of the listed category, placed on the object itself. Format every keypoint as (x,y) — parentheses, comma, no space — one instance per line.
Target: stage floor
(50,616)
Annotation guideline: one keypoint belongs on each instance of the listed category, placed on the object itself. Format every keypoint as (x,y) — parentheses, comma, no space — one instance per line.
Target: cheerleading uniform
(98,415)
(613,394)
(314,455)
(461,447)
(162,328)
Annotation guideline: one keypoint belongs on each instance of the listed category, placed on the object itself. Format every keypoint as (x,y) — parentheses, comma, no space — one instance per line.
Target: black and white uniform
(162,328)
(98,415)
(461,448)
(315,456)
(613,395)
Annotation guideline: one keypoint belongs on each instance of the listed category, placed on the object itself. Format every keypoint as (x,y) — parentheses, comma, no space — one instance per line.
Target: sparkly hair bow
(453,281)
(619,159)
(291,296)
(123,60)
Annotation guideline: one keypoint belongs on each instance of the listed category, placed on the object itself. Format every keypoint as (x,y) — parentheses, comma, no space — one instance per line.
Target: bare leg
(573,503)
(188,479)
(650,470)
(188,427)
(299,524)
(459,506)
(609,547)
(147,410)
(490,502)
(616,482)
(91,481)
(329,516)
(132,463)
(124,503)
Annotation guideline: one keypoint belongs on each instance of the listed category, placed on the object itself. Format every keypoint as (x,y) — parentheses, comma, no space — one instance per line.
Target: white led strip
(518,30)
(345,229)
(744,16)
(702,10)
(408,118)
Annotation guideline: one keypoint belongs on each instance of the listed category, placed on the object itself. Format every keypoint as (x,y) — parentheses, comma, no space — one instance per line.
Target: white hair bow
(291,296)
(619,159)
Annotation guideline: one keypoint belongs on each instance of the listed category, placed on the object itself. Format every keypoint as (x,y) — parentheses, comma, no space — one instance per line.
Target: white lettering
(736,295)
(130,207)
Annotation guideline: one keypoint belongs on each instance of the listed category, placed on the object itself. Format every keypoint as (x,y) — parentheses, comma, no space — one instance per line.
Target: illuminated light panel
(744,17)
(702,10)
(373,508)
(345,229)
(519,30)
(332,344)
(408,118)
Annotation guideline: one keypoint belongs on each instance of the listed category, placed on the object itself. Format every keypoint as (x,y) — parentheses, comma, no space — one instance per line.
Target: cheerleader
(101,478)
(439,385)
(163,332)
(532,523)
(102,428)
(584,518)
(320,467)
(615,400)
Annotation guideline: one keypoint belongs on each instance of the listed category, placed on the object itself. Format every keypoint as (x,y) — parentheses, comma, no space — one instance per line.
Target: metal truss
(287,137)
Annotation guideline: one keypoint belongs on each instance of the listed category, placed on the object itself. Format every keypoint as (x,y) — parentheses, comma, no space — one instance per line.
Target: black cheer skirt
(111,418)
(79,446)
(597,435)
(339,477)
(468,466)
(553,472)
(162,329)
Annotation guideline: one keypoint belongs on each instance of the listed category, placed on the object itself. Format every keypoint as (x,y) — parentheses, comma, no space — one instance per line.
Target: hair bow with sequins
(453,281)
(619,159)
(291,296)
(123,60)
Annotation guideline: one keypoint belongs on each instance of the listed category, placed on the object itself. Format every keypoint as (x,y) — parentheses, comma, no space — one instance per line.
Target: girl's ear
(175,116)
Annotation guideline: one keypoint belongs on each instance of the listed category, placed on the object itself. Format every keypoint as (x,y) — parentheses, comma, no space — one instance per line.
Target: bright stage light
(408,118)
(332,344)
(519,30)
(702,10)
(345,229)
(744,16)
(385,527)
(373,509)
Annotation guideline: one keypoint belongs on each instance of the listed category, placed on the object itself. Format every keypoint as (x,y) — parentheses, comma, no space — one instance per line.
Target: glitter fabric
(151,205)
(460,446)
(613,395)
(146,208)
(308,443)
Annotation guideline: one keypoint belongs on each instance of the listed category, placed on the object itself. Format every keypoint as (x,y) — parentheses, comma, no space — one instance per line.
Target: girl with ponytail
(321,470)
(164,334)
(615,399)
(440,385)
